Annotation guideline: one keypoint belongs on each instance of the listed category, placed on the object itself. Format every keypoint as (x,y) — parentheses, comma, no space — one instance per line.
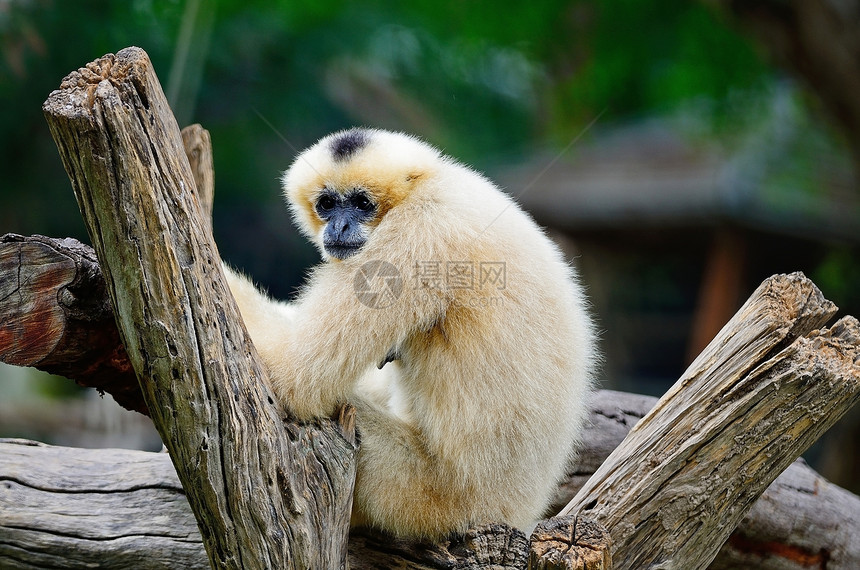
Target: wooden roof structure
(650,174)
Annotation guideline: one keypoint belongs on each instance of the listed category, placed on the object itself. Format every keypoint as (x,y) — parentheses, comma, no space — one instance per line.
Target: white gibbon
(446,317)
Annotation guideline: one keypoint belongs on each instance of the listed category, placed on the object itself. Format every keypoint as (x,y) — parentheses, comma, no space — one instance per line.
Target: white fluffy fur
(477,420)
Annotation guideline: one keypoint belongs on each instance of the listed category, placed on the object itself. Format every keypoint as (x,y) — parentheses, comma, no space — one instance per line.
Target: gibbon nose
(341,225)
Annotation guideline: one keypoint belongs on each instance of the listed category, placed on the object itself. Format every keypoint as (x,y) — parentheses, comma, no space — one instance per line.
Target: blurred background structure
(680,152)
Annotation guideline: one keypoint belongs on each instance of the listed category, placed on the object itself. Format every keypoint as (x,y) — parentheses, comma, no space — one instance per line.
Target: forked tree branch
(266,494)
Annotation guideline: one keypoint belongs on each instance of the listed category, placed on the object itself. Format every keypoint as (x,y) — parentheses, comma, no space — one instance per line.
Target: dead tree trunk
(758,396)
(264,496)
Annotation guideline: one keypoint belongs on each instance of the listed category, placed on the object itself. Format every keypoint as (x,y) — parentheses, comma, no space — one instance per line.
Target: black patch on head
(347,144)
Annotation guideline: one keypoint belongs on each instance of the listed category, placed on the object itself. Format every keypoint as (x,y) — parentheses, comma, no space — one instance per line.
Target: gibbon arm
(318,347)
(314,365)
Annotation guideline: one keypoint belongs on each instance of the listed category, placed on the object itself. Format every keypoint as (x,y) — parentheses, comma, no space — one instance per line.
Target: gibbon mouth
(342,251)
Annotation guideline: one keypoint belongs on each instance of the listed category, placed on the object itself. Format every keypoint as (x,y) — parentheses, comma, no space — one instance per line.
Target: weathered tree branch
(198,149)
(140,518)
(62,507)
(57,316)
(758,396)
(264,496)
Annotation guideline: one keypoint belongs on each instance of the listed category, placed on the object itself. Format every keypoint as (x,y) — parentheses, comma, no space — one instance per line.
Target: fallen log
(136,514)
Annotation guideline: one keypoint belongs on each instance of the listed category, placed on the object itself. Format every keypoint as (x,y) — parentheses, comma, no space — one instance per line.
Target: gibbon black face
(345,215)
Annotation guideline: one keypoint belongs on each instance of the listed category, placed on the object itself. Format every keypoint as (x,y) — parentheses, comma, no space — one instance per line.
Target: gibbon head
(341,189)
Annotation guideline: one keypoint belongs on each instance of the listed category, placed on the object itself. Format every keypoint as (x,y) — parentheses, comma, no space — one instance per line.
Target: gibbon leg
(401,486)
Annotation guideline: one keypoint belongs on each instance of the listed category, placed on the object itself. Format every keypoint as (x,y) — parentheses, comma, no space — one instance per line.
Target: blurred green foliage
(839,275)
(486,82)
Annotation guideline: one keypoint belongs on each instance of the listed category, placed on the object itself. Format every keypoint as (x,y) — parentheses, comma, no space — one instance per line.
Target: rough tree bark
(63,507)
(264,496)
(136,515)
(759,395)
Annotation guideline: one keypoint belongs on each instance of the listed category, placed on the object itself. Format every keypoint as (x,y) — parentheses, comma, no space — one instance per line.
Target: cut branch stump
(569,542)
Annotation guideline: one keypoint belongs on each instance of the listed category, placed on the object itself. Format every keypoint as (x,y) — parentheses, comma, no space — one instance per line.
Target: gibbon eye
(325,203)
(363,203)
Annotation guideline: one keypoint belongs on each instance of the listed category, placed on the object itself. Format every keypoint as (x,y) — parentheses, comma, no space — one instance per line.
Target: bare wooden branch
(198,149)
(799,517)
(57,317)
(57,313)
(62,507)
(264,496)
(755,399)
